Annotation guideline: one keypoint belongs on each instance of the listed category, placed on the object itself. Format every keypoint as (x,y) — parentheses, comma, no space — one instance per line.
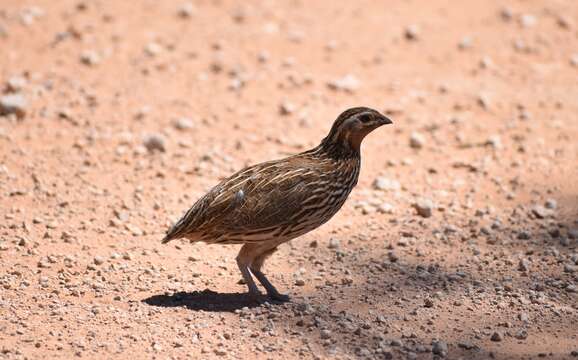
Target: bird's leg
(256,266)
(243,261)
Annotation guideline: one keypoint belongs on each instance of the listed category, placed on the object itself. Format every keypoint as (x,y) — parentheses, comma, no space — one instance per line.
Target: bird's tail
(166,239)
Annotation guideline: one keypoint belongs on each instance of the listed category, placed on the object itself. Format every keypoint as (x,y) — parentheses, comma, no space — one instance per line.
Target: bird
(265,205)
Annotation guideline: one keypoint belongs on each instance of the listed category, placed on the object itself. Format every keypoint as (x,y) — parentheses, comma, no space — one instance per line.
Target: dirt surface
(459,241)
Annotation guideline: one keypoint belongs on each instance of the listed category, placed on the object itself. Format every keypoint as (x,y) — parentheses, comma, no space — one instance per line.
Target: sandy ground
(118,115)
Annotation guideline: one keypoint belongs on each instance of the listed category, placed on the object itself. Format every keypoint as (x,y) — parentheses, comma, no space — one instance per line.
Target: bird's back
(278,199)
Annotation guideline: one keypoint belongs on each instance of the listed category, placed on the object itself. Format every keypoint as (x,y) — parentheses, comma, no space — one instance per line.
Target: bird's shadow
(205,300)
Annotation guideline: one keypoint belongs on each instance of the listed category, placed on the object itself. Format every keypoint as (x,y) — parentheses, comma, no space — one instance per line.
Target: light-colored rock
(385,208)
(528,20)
(16,84)
(542,212)
(412,32)
(183,123)
(13,104)
(349,83)
(153,49)
(383,183)
(90,58)
(333,243)
(286,108)
(574,60)
(186,10)
(424,207)
(416,140)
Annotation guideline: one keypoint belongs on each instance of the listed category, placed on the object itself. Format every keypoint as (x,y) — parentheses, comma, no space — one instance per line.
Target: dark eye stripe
(365,118)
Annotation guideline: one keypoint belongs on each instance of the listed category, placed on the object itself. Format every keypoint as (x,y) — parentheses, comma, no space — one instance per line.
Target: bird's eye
(365,118)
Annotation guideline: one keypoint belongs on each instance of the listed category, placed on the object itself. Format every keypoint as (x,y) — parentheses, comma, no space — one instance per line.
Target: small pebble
(412,32)
(286,108)
(551,204)
(424,208)
(383,183)
(13,104)
(385,208)
(542,212)
(154,143)
(496,336)
(348,83)
(574,60)
(186,10)
(333,243)
(440,348)
(416,140)
(153,49)
(523,265)
(16,84)
(465,43)
(90,58)
(183,123)
(527,20)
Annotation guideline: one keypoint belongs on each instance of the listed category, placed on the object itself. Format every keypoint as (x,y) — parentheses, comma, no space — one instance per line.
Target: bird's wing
(215,206)
(270,198)
(256,200)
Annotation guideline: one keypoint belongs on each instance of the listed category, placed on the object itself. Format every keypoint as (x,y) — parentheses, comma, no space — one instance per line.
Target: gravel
(440,348)
(79,287)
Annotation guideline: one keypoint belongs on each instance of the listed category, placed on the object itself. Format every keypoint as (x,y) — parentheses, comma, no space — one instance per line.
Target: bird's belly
(314,216)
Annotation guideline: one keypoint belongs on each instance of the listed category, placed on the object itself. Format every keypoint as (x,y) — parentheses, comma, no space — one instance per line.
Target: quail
(265,205)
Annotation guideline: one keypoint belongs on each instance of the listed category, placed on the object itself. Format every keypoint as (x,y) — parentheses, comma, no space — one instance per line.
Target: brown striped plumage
(270,203)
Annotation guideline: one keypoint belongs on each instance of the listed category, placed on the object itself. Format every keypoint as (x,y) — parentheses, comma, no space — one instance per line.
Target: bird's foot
(256,297)
(279,297)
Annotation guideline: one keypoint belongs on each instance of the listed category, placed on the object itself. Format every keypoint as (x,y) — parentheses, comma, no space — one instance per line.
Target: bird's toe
(280,297)
(256,297)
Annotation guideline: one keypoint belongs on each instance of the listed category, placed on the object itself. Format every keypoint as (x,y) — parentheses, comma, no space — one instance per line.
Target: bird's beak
(385,120)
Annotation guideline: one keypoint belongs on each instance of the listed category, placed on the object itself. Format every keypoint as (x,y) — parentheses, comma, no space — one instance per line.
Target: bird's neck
(339,148)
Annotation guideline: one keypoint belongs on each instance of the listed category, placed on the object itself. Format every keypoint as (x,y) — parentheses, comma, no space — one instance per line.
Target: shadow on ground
(412,279)
(205,300)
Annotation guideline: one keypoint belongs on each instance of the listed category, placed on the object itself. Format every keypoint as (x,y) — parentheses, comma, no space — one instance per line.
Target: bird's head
(353,125)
